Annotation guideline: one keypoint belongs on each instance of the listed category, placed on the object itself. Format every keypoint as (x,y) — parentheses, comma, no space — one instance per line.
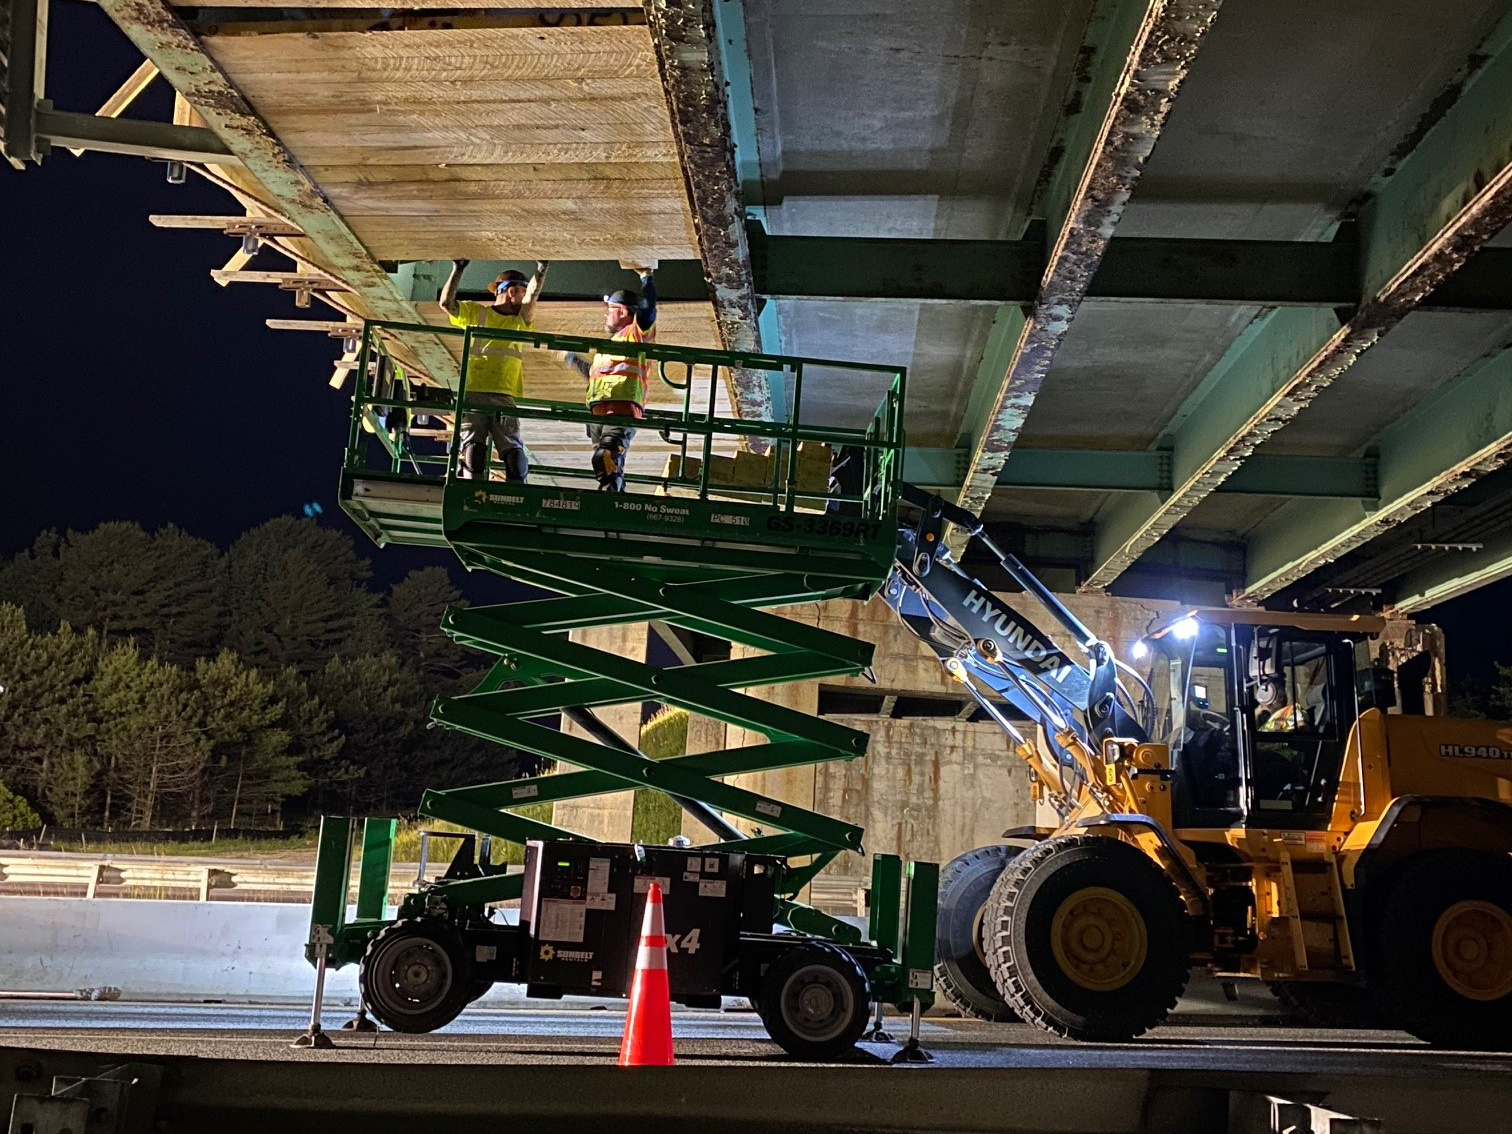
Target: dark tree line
(152,680)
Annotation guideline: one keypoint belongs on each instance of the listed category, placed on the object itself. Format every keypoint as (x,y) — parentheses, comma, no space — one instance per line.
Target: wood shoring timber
(159,34)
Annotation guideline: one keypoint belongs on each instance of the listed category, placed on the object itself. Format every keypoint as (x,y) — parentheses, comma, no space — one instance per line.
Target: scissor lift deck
(687,548)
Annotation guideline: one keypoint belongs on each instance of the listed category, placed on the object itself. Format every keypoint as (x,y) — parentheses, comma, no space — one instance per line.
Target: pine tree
(151,737)
(379,707)
(72,791)
(415,606)
(251,768)
(45,711)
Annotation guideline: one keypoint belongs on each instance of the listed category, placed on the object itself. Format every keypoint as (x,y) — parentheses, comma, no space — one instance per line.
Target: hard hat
(507,279)
(624,296)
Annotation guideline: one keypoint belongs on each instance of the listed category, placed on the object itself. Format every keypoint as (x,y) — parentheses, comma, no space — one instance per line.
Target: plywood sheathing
(496,143)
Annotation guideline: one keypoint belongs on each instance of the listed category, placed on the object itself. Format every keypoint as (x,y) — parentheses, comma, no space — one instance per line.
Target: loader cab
(1257,712)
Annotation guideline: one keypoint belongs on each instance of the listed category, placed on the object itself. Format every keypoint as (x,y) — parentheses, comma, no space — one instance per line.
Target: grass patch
(657,817)
(407,838)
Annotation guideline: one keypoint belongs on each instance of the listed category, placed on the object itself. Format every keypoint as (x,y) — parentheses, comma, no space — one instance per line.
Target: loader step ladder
(739,519)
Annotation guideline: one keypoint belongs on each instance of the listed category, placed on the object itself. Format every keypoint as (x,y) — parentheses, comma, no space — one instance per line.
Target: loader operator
(495,369)
(616,382)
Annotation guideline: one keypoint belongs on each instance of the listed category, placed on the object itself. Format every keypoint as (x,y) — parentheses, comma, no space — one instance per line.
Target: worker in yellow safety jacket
(495,369)
(617,383)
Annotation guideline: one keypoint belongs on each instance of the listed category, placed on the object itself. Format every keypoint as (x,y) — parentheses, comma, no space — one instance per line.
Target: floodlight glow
(1186,629)
(1140,650)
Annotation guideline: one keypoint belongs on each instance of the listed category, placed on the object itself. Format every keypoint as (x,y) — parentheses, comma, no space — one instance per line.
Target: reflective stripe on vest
(618,377)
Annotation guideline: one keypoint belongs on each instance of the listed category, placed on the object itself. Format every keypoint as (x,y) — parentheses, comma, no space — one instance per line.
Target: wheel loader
(1245,800)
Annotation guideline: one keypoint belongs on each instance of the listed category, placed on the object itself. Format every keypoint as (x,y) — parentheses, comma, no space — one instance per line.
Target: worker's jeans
(479,426)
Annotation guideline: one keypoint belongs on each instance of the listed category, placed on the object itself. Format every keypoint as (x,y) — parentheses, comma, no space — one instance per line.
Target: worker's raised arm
(533,292)
(448,299)
(645,311)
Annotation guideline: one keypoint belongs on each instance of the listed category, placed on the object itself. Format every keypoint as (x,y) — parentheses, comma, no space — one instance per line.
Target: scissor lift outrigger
(695,553)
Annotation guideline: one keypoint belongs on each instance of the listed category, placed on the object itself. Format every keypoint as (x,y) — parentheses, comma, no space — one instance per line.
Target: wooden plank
(302,280)
(655,213)
(425,197)
(293,51)
(450,5)
(419,133)
(128,91)
(260,69)
(601,117)
(266,226)
(421,242)
(276,97)
(519,174)
(152,26)
(325,326)
(487,153)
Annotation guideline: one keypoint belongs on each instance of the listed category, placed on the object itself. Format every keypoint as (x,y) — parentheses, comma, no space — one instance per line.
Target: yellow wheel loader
(1246,799)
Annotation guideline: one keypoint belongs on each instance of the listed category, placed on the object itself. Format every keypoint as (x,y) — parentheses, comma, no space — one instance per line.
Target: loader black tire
(416,975)
(1088,939)
(1441,956)
(960,970)
(1322,1004)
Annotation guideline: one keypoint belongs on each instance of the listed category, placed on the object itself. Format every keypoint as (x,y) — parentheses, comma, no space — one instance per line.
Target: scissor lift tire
(416,976)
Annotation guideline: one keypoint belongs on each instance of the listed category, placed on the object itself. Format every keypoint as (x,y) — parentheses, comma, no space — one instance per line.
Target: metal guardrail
(57,874)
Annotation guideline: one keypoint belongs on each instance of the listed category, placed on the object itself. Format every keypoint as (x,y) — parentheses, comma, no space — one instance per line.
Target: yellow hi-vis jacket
(618,377)
(495,366)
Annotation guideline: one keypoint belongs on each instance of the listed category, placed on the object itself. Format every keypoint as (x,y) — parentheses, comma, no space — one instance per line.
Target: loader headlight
(1186,629)
(1141,650)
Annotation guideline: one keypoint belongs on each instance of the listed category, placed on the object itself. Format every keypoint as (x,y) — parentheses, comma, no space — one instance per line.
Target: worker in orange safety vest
(617,383)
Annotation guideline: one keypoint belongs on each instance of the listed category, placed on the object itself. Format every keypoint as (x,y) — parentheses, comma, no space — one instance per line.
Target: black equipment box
(583,905)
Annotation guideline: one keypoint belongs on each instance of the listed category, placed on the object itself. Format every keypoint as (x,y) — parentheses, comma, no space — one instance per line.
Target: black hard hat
(624,295)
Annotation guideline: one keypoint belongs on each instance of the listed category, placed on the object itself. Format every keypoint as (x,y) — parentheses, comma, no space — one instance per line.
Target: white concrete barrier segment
(253,952)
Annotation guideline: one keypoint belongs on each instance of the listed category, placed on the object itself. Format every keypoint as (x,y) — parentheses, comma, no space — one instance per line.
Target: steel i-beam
(1450,196)
(1147,48)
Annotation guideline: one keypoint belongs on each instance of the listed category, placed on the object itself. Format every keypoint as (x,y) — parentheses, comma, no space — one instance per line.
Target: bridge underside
(1198,298)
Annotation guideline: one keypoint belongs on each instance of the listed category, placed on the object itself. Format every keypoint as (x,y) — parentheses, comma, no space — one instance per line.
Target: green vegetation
(15,813)
(658,817)
(152,681)
(407,838)
(300,847)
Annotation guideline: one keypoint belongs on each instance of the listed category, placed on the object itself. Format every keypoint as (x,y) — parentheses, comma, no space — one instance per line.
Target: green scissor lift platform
(691,548)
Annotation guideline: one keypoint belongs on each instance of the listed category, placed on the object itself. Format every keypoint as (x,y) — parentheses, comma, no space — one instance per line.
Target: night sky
(139,389)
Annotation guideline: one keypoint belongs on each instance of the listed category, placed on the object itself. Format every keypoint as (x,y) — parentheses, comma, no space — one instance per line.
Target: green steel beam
(23,77)
(1140,54)
(160,140)
(1445,200)
(1149,470)
(676,280)
(179,56)
(1457,573)
(1260,273)
(377,858)
(1454,437)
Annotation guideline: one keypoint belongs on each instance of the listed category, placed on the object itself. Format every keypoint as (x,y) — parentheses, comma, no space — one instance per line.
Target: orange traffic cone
(647,1041)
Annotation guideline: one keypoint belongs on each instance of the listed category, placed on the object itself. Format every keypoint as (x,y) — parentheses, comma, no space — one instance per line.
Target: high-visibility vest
(618,377)
(495,366)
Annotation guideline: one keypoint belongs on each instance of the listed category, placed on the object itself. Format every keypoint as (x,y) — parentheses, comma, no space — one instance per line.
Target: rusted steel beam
(1448,443)
(1146,50)
(1445,200)
(687,53)
(162,38)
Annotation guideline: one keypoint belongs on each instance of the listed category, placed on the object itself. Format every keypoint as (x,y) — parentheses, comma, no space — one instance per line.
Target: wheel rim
(1098,939)
(416,976)
(817,1003)
(1472,950)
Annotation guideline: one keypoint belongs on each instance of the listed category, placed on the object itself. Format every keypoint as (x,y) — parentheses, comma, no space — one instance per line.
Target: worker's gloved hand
(542,265)
(460,265)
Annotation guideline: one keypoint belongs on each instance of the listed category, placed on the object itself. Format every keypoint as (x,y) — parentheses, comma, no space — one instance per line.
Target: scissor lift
(690,547)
